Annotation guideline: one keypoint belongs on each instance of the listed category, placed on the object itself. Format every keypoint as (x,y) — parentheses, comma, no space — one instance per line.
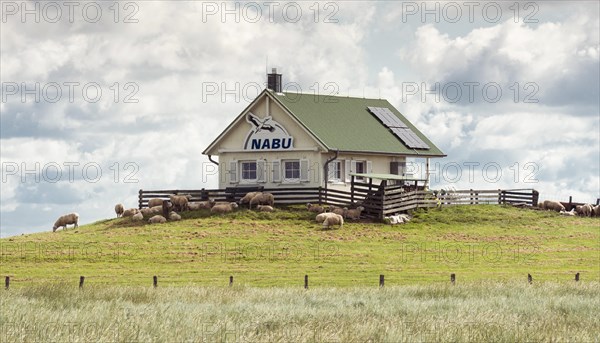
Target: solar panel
(399,129)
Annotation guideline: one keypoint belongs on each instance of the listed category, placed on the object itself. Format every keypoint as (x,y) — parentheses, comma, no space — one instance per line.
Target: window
(291,171)
(335,171)
(360,169)
(249,171)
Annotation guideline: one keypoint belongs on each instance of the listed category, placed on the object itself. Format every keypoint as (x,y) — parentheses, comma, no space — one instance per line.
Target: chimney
(274,81)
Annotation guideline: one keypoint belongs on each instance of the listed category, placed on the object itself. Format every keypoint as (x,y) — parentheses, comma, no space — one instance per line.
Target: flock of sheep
(585,210)
(328,216)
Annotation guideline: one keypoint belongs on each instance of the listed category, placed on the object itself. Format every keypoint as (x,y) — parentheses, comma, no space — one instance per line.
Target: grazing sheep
(321,216)
(137,217)
(316,209)
(119,210)
(265,208)
(584,210)
(551,205)
(354,214)
(130,212)
(223,208)
(262,199)
(154,202)
(596,211)
(332,220)
(67,219)
(174,216)
(568,213)
(157,219)
(180,202)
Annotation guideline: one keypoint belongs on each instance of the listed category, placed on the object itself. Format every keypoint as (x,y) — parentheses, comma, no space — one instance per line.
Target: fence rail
(378,200)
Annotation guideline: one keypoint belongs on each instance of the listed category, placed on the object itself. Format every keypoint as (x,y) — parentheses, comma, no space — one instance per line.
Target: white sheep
(551,205)
(119,210)
(321,216)
(264,208)
(130,212)
(585,210)
(397,219)
(316,209)
(67,219)
(568,213)
(335,219)
(157,219)
(354,214)
(180,202)
(223,208)
(262,199)
(174,216)
(154,202)
(137,217)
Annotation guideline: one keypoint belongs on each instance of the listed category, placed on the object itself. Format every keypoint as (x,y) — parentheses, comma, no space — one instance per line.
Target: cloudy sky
(100,99)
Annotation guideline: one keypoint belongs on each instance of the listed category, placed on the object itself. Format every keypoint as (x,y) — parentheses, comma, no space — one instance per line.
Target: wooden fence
(379,200)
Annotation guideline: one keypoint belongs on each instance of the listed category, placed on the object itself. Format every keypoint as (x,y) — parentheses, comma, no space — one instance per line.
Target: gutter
(213,161)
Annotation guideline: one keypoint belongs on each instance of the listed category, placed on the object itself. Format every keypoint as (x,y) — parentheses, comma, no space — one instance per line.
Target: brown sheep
(223,208)
(154,202)
(157,219)
(119,210)
(334,219)
(316,209)
(551,205)
(130,212)
(354,214)
(180,202)
(246,199)
(67,219)
(585,210)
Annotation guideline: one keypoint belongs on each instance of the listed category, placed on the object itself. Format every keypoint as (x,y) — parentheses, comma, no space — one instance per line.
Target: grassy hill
(485,242)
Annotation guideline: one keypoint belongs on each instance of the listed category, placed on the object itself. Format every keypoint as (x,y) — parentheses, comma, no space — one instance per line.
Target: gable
(264,126)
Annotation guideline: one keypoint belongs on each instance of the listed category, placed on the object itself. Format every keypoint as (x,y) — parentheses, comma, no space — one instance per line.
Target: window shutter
(347,170)
(261,171)
(353,166)
(276,171)
(369,167)
(233,174)
(304,170)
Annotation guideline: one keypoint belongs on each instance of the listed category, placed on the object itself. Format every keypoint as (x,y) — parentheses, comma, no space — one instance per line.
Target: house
(306,140)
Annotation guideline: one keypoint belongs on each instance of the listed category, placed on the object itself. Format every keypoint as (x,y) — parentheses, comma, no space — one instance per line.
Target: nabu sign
(267,134)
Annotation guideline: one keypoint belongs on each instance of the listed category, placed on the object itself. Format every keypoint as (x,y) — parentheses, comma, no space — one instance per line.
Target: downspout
(326,167)
(213,161)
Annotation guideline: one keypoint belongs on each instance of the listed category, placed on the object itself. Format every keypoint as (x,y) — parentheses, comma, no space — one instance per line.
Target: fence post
(529,278)
(597,201)
(7,282)
(381,280)
(352,189)
(165,209)
(320,196)
(570,201)
(499,197)
(535,197)
(140,199)
(203,195)
(453,278)
(155,281)
(576,278)
(230,281)
(305,281)
(471,195)
(81,280)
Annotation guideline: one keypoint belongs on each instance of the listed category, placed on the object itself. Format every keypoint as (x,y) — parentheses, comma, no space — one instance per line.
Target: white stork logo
(266,134)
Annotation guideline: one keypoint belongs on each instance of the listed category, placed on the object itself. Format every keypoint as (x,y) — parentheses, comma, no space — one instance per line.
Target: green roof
(345,124)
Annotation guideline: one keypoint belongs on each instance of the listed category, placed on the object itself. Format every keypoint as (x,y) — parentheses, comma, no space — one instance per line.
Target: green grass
(467,312)
(485,242)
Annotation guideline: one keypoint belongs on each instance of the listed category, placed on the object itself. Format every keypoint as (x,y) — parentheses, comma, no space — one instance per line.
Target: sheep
(339,210)
(584,210)
(568,213)
(321,216)
(397,219)
(551,205)
(354,214)
(180,202)
(246,199)
(223,208)
(137,217)
(174,216)
(332,220)
(130,212)
(67,219)
(119,210)
(596,211)
(159,209)
(316,209)
(146,212)
(154,202)
(264,208)
(193,206)
(157,219)
(262,199)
